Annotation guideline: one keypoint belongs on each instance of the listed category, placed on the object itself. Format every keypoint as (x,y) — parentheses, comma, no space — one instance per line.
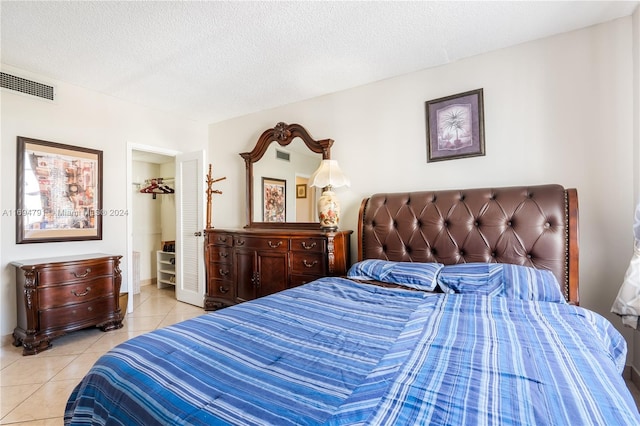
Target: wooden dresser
(61,294)
(246,264)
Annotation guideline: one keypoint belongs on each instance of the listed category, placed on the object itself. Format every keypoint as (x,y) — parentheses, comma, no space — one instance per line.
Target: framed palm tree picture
(455,126)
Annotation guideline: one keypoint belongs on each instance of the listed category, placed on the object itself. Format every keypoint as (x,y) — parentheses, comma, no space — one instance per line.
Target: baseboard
(7,340)
(147,281)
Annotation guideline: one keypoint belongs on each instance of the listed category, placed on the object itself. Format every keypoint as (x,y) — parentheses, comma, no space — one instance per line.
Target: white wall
(146,220)
(89,119)
(557,110)
(168,205)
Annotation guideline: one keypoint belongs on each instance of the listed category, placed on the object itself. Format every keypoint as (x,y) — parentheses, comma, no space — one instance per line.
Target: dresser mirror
(277,170)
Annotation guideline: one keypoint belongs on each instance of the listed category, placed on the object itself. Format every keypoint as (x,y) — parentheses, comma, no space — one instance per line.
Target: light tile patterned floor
(35,388)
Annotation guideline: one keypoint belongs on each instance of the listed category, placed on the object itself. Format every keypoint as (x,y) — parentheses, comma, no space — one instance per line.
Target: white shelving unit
(166,262)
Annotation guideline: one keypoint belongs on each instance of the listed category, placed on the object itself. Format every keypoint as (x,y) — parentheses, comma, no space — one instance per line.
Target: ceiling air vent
(28,87)
(281,155)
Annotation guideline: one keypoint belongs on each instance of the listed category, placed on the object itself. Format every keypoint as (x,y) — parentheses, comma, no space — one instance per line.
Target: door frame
(131,146)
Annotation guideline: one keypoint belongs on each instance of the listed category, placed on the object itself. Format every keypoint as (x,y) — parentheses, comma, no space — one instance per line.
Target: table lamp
(328,176)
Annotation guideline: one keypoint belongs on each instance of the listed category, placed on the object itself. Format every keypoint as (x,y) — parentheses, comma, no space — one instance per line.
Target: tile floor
(34,389)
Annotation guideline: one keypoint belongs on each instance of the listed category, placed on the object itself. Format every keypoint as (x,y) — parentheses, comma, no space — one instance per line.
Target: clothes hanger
(156,186)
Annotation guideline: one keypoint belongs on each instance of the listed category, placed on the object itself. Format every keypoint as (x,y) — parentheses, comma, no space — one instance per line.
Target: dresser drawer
(51,297)
(224,240)
(220,271)
(220,254)
(221,289)
(255,243)
(87,311)
(297,280)
(62,294)
(315,245)
(69,273)
(308,263)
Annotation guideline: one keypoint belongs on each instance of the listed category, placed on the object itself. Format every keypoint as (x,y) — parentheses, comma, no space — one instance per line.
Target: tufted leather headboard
(527,225)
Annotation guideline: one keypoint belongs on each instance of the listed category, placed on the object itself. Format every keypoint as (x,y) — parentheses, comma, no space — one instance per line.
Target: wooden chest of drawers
(62,294)
(243,265)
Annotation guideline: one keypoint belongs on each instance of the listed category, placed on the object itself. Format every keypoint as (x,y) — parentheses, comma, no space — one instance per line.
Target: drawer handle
(309,265)
(222,239)
(84,293)
(223,290)
(274,245)
(255,279)
(240,242)
(223,272)
(223,254)
(308,247)
(84,274)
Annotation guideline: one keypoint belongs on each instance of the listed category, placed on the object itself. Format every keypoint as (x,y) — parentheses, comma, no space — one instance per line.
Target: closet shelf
(166,268)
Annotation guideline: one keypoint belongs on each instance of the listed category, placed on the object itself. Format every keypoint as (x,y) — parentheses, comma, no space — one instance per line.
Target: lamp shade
(328,175)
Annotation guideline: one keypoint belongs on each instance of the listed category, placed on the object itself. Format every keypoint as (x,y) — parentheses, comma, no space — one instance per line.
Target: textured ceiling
(214,60)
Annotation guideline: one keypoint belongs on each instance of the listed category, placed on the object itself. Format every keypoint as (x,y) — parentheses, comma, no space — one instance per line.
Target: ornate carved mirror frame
(283,134)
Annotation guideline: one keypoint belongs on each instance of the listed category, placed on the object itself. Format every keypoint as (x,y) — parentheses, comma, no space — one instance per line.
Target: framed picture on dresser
(59,192)
(301,191)
(274,200)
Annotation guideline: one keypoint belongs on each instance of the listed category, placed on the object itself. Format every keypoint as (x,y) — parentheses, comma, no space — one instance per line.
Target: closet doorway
(165,221)
(153,220)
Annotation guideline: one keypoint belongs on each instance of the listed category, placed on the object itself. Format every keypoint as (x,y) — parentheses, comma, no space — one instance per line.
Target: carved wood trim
(284,134)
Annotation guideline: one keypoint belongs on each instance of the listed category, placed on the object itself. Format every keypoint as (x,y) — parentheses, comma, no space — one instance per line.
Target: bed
(462,308)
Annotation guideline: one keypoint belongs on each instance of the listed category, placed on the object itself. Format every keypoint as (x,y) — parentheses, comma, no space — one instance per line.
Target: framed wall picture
(455,126)
(274,200)
(301,191)
(59,192)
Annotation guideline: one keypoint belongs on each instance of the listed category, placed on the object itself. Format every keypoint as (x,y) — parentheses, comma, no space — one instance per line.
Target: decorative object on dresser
(59,192)
(329,176)
(301,191)
(243,265)
(274,200)
(58,295)
(455,126)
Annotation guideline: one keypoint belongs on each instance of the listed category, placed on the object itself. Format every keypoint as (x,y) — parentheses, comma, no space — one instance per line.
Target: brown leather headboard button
(520,225)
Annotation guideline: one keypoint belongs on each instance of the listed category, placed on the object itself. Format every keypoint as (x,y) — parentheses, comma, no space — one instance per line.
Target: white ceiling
(214,60)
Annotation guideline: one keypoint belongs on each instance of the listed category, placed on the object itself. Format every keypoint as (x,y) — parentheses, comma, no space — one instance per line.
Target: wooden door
(273,270)
(246,275)
(190,274)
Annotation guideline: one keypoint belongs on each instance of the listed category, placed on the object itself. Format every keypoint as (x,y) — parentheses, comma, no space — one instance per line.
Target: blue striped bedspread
(339,352)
